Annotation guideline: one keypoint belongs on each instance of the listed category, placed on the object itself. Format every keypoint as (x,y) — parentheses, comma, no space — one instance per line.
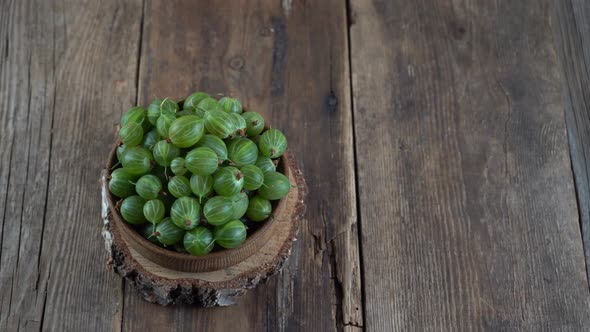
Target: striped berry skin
(186,213)
(201,185)
(168,233)
(186,131)
(275,186)
(179,186)
(137,115)
(136,160)
(199,241)
(131,134)
(240,204)
(230,235)
(202,161)
(253,177)
(214,143)
(178,166)
(230,105)
(219,123)
(121,183)
(154,210)
(148,186)
(265,164)
(242,151)
(164,152)
(193,100)
(254,123)
(132,210)
(259,209)
(218,210)
(228,181)
(272,143)
(239,124)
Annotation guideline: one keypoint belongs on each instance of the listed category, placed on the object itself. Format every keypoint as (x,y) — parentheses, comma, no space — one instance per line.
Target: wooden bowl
(188,263)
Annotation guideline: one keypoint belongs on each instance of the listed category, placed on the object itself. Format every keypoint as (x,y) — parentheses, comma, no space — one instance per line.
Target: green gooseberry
(131,134)
(199,241)
(219,123)
(179,186)
(239,124)
(242,151)
(121,183)
(163,124)
(272,143)
(228,181)
(259,209)
(132,210)
(138,115)
(254,123)
(253,177)
(230,235)
(194,99)
(218,210)
(137,160)
(207,105)
(153,111)
(120,150)
(275,186)
(150,139)
(147,231)
(154,210)
(148,186)
(202,161)
(201,185)
(178,166)
(186,213)
(164,152)
(186,131)
(265,164)
(230,105)
(168,233)
(214,143)
(240,204)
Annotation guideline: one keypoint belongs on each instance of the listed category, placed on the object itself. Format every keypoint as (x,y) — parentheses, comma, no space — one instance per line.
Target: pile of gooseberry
(194,176)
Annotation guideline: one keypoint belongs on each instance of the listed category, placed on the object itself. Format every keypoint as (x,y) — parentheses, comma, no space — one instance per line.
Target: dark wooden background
(445,145)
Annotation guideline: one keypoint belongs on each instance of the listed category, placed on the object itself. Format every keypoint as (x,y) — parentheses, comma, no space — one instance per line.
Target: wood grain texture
(467,202)
(572,31)
(79,74)
(289,62)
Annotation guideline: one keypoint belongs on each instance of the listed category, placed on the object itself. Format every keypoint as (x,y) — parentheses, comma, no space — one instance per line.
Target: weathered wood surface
(467,203)
(572,32)
(466,193)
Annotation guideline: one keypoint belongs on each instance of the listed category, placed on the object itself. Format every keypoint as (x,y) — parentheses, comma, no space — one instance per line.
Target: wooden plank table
(445,145)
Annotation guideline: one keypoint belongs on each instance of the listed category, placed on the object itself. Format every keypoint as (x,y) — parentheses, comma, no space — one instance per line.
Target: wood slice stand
(214,288)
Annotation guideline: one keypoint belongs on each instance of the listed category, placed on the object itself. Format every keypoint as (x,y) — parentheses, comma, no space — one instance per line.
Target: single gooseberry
(231,234)
(231,105)
(154,210)
(132,210)
(193,100)
(240,203)
(242,151)
(265,164)
(214,143)
(186,131)
(202,161)
(199,241)
(178,166)
(218,210)
(186,213)
(219,123)
(228,181)
(138,115)
(148,186)
(164,152)
(272,143)
(136,160)
(168,233)
(121,183)
(259,209)
(239,124)
(201,185)
(253,177)
(131,134)
(179,186)
(254,123)
(275,186)
(163,124)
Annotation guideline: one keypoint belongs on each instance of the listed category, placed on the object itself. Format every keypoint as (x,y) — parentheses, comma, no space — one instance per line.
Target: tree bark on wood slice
(216,288)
